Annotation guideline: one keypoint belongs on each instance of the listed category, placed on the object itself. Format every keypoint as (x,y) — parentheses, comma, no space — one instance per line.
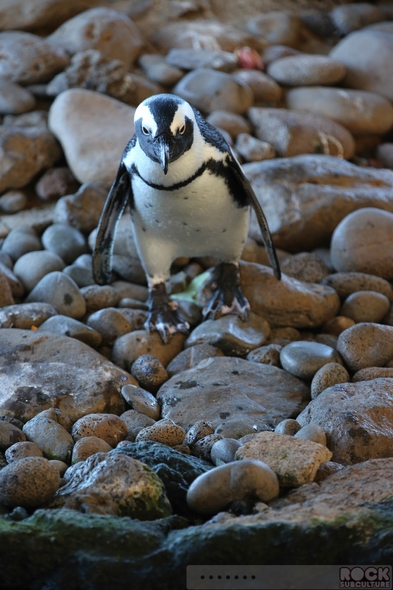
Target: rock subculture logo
(366,577)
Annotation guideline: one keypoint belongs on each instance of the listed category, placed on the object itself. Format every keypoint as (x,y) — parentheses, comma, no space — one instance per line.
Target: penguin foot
(227,297)
(163,315)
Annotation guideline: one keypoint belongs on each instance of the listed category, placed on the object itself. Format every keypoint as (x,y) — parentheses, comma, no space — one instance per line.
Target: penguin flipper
(118,196)
(245,185)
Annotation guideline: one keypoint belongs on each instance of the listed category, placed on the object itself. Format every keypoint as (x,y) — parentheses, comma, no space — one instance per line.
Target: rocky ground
(262,442)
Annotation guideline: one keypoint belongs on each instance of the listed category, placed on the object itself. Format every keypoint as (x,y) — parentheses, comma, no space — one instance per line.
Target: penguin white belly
(200,219)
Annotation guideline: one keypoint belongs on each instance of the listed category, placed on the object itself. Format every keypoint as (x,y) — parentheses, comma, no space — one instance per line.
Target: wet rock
(54,441)
(366,345)
(149,372)
(276,27)
(216,489)
(352,17)
(9,435)
(66,326)
(141,401)
(114,484)
(365,306)
(93,130)
(264,88)
(31,267)
(292,133)
(373,71)
(355,248)
(223,451)
(135,421)
(164,431)
(306,70)
(294,460)
(231,334)
(158,70)
(295,194)
(359,111)
(109,427)
(327,376)
(21,450)
(346,283)
(130,347)
(109,31)
(29,59)
(356,418)
(25,315)
(210,90)
(190,357)
(25,152)
(81,210)
(226,387)
(29,482)
(41,370)
(87,446)
(288,426)
(303,359)
(59,290)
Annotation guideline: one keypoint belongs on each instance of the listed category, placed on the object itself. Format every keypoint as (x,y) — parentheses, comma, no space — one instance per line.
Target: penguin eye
(182,130)
(145,130)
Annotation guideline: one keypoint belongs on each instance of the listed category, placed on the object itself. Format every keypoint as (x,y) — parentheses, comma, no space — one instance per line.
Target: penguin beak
(163,154)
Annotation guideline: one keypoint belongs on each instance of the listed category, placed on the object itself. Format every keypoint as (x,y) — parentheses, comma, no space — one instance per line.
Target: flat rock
(114,484)
(40,371)
(359,111)
(304,198)
(292,133)
(357,419)
(66,326)
(93,130)
(224,387)
(294,460)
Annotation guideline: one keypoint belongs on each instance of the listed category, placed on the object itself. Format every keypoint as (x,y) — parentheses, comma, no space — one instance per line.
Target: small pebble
(346,283)
(141,401)
(164,431)
(13,201)
(202,448)
(9,435)
(287,426)
(267,355)
(159,71)
(55,183)
(21,240)
(327,376)
(135,421)
(30,482)
(371,373)
(83,277)
(231,122)
(149,372)
(33,266)
(110,323)
(365,306)
(99,297)
(312,432)
(54,441)
(66,241)
(264,88)
(238,427)
(87,446)
(199,430)
(109,427)
(223,450)
(337,325)
(216,489)
(305,266)
(60,465)
(303,359)
(21,450)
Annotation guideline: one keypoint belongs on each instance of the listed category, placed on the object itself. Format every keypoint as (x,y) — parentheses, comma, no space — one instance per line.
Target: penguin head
(164,126)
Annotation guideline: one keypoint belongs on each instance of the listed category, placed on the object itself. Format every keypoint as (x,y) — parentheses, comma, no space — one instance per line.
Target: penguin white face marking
(164,126)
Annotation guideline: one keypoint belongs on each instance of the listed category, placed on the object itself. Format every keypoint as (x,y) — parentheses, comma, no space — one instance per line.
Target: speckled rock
(9,435)
(346,283)
(305,266)
(131,346)
(150,373)
(365,306)
(114,484)
(223,450)
(328,375)
(215,490)
(356,418)
(306,70)
(303,358)
(264,88)
(366,345)
(209,90)
(266,355)
(217,388)
(288,426)
(202,447)
(21,450)
(87,446)
(109,427)
(164,431)
(199,430)
(135,421)
(25,315)
(141,401)
(231,334)
(294,460)
(371,373)
(33,266)
(30,482)
(54,440)
(276,27)
(62,292)
(312,432)
(292,133)
(61,324)
(362,243)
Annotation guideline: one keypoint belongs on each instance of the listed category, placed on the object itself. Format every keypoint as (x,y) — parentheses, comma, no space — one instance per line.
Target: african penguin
(188,197)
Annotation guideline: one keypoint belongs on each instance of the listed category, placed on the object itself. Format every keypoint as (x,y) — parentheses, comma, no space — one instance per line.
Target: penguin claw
(166,322)
(217,306)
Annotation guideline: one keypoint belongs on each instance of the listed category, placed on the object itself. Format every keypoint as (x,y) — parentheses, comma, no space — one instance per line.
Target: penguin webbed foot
(163,315)
(227,297)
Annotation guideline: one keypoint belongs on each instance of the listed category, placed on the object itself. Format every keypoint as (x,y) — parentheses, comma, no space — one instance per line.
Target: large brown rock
(357,419)
(306,197)
(227,388)
(41,370)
